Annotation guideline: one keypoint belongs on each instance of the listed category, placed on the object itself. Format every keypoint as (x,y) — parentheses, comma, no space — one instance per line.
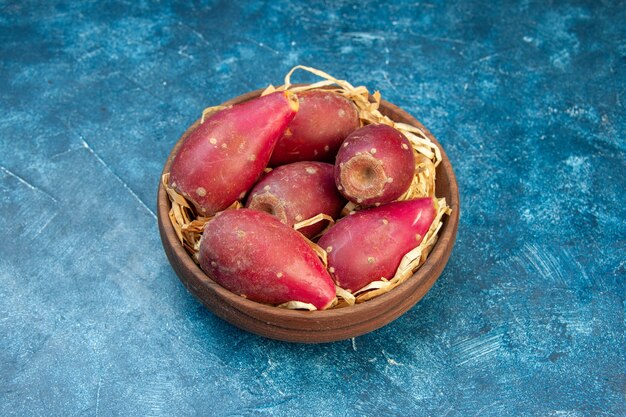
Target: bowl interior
(315,326)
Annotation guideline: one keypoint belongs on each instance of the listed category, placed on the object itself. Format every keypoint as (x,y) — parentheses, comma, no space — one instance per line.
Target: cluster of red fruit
(321,157)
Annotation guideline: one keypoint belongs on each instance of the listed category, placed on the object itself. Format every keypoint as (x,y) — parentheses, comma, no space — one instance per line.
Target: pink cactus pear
(324,120)
(370,244)
(298,191)
(253,254)
(224,156)
(375,165)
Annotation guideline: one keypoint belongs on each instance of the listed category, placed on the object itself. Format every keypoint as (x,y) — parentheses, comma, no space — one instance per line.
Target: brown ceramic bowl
(315,326)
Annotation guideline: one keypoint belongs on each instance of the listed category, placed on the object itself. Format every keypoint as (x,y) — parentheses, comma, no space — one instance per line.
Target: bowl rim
(388,304)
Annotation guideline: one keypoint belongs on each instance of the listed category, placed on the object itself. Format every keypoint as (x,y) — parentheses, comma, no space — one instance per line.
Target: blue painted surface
(526,97)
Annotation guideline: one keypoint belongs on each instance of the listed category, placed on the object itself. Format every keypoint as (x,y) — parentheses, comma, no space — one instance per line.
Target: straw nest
(189,226)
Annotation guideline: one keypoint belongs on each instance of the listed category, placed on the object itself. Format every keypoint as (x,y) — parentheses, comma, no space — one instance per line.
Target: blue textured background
(526,97)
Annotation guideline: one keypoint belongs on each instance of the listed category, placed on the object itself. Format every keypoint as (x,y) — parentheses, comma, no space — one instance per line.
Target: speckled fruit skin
(298,191)
(226,154)
(370,244)
(374,165)
(253,254)
(315,134)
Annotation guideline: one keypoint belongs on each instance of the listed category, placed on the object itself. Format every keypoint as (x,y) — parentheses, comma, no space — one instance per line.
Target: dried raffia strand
(383,283)
(210,110)
(313,220)
(187,225)
(175,224)
(321,253)
(297,305)
(423,184)
(350,207)
(174,213)
(344,299)
(345,296)
(268,90)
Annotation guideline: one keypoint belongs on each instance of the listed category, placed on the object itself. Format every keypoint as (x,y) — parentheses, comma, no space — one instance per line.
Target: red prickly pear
(253,254)
(375,165)
(224,156)
(296,192)
(370,244)
(315,134)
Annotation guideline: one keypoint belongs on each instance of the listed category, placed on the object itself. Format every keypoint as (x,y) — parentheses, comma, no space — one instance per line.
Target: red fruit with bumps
(253,254)
(298,191)
(375,165)
(224,156)
(315,134)
(370,244)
